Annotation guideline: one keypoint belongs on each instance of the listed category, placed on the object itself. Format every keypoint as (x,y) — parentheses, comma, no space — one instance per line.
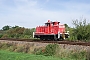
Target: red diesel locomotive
(51,31)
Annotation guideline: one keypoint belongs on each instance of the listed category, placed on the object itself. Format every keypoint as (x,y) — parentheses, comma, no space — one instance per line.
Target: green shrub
(78,55)
(50,49)
(5,45)
(1,35)
(12,48)
(26,48)
(39,51)
(26,37)
(1,45)
(5,36)
(88,54)
(19,49)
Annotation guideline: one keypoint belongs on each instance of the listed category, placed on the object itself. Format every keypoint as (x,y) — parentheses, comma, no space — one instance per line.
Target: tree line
(16,32)
(80,31)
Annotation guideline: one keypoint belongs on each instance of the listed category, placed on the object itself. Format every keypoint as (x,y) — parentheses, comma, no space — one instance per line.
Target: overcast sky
(31,13)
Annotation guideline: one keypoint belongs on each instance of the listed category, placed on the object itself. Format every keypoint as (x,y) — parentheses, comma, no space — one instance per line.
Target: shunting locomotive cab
(51,31)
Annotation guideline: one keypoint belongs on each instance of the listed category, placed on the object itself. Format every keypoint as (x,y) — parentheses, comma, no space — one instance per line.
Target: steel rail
(58,42)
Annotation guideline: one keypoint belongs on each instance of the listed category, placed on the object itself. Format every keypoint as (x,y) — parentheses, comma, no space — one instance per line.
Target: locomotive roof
(56,21)
(52,22)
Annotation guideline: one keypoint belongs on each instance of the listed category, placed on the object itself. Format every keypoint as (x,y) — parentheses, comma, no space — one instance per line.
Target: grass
(6,55)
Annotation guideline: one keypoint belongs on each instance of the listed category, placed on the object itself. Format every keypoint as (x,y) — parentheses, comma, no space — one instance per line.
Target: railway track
(58,42)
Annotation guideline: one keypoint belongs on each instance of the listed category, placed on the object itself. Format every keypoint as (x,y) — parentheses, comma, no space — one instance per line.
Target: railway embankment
(42,45)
